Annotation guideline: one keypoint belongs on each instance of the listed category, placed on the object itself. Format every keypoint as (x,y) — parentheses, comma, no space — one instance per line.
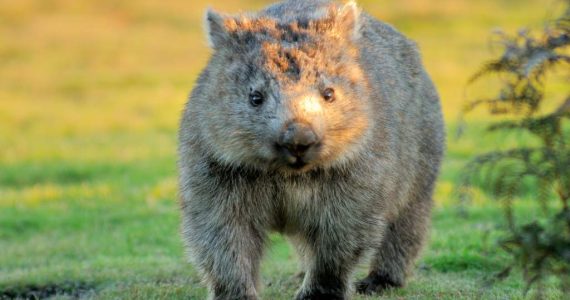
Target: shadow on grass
(73,289)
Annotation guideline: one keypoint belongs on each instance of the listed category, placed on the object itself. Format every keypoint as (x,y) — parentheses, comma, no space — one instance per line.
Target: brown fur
(364,181)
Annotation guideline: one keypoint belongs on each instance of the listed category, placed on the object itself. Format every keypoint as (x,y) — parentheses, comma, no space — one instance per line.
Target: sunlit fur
(288,63)
(366,188)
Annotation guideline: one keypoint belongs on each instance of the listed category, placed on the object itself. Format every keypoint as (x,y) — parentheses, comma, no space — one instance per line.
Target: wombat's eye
(328,95)
(256,98)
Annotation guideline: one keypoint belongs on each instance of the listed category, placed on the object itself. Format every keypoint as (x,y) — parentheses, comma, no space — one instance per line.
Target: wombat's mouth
(292,161)
(298,165)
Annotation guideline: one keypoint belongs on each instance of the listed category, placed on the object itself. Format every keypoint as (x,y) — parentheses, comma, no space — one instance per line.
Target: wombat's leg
(401,245)
(227,251)
(329,270)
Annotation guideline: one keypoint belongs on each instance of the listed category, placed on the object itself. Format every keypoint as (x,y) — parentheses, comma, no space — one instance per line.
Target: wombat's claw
(375,283)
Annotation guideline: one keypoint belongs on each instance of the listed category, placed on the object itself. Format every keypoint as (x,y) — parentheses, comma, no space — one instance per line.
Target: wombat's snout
(295,142)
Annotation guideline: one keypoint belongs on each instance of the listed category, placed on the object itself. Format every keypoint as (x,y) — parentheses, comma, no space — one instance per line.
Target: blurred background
(90,98)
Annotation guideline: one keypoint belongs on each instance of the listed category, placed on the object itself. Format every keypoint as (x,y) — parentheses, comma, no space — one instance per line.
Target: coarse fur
(364,181)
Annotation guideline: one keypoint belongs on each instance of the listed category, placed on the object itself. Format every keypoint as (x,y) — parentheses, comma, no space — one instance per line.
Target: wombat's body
(319,122)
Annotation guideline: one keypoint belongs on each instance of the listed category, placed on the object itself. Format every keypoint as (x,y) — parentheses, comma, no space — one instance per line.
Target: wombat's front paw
(320,295)
(375,282)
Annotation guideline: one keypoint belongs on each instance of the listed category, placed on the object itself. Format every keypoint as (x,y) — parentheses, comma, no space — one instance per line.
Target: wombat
(317,121)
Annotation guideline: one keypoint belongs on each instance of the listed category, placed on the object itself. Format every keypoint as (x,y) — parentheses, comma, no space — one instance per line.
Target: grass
(89,103)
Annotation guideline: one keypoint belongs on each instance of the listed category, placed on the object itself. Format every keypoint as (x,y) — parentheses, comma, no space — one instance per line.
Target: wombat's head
(286,95)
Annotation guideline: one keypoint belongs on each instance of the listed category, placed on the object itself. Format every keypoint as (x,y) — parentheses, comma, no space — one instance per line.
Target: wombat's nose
(297,139)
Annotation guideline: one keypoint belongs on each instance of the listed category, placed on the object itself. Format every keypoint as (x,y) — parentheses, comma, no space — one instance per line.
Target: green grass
(112,228)
(90,98)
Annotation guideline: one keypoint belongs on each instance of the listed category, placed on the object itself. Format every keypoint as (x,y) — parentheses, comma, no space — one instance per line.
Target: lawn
(90,97)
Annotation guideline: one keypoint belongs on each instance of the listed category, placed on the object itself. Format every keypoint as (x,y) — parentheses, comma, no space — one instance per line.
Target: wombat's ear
(348,20)
(216,32)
